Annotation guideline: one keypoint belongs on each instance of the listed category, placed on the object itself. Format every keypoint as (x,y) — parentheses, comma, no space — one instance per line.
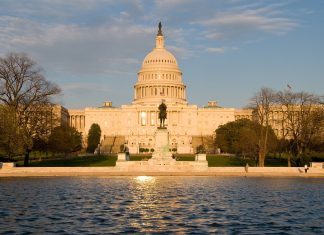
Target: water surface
(142,205)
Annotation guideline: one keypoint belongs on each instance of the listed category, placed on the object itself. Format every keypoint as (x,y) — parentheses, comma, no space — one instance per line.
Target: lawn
(184,157)
(213,161)
(102,160)
(75,161)
(220,160)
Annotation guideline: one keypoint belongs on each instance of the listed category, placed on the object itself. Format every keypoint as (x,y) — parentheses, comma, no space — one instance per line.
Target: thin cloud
(253,21)
(215,49)
(181,52)
(236,23)
(215,35)
(167,4)
(84,87)
(77,49)
(221,50)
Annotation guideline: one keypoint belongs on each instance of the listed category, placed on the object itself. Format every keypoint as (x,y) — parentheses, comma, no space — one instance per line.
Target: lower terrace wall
(160,170)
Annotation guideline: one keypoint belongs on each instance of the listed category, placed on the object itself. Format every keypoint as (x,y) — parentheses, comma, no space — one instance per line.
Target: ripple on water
(189,205)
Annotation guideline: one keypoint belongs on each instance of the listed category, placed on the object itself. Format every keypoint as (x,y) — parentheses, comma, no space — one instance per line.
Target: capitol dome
(160,58)
(159,77)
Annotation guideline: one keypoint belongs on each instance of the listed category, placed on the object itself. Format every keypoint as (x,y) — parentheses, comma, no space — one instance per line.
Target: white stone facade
(159,79)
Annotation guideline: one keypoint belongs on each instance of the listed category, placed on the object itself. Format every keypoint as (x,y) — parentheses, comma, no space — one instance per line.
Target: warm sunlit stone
(159,78)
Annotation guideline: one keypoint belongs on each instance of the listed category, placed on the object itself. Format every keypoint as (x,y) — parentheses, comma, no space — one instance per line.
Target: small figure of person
(247,167)
(126,151)
(306,168)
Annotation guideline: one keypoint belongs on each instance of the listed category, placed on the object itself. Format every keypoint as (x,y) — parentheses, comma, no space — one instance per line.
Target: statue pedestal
(161,155)
(7,165)
(122,157)
(201,157)
(162,160)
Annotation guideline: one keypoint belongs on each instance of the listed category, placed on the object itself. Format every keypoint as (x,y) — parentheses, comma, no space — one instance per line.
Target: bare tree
(301,121)
(262,103)
(25,90)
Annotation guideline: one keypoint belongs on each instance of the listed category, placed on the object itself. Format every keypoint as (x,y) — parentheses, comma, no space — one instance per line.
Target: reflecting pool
(144,205)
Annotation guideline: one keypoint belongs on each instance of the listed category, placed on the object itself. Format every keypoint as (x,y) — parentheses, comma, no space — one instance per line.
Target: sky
(226,49)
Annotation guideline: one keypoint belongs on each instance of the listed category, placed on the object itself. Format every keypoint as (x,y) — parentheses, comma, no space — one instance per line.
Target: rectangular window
(143,118)
(152,118)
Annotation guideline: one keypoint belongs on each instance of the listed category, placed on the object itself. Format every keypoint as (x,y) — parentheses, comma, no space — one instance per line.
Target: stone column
(81,121)
(78,121)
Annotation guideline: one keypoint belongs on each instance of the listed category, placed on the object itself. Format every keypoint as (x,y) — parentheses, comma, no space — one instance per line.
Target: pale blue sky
(227,50)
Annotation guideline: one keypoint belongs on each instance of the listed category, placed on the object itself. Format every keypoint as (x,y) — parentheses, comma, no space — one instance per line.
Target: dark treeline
(297,117)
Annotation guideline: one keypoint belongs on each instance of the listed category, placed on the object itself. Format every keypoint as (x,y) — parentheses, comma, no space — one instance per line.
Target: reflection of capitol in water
(159,78)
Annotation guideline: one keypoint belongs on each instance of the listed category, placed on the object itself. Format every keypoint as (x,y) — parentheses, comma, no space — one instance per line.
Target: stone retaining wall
(317,164)
(160,170)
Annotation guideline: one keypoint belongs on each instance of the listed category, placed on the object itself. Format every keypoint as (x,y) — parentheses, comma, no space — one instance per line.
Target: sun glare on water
(145,179)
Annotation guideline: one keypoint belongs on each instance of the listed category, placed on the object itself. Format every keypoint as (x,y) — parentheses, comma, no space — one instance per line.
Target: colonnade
(164,76)
(158,91)
(77,121)
(151,118)
(237,117)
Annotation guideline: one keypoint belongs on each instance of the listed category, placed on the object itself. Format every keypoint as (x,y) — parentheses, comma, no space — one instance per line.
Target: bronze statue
(160,29)
(162,114)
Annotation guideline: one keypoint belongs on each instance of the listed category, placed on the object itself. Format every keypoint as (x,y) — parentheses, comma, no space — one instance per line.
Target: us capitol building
(159,79)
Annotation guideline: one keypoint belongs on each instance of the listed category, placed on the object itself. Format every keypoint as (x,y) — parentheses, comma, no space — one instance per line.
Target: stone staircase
(111,144)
